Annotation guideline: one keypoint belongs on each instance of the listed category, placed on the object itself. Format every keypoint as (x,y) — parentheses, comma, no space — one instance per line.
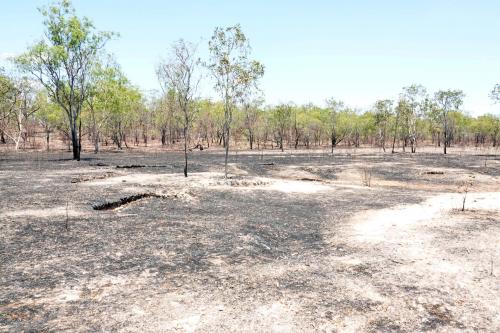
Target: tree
(251,113)
(178,75)
(281,118)
(233,71)
(96,100)
(18,105)
(383,112)
(63,59)
(8,100)
(50,116)
(487,125)
(415,96)
(335,107)
(447,101)
(433,115)
(112,103)
(401,109)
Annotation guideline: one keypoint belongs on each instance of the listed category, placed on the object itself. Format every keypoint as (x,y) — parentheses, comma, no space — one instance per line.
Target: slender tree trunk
(47,137)
(226,144)
(445,133)
(96,141)
(74,143)
(333,139)
(226,130)
(163,137)
(95,132)
(445,142)
(185,152)
(80,136)
(395,133)
(250,137)
(74,136)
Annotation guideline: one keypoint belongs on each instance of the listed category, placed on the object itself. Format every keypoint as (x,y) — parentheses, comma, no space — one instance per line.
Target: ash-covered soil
(292,242)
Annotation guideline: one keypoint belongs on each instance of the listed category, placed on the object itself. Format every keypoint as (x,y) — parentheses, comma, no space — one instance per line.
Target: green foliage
(50,115)
(234,73)
(63,59)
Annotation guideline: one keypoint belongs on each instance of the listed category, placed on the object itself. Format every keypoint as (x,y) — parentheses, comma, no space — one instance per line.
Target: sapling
(464,188)
(67,216)
(366,176)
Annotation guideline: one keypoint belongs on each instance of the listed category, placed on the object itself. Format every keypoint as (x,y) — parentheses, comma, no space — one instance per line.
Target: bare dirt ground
(292,242)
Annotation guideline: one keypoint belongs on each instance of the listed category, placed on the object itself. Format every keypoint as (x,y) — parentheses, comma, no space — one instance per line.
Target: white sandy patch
(135,178)
(276,316)
(405,235)
(292,186)
(352,324)
(69,295)
(187,324)
(177,180)
(174,312)
(373,225)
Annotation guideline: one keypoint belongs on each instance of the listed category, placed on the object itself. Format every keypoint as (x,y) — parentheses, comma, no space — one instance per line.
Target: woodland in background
(67,87)
(122,117)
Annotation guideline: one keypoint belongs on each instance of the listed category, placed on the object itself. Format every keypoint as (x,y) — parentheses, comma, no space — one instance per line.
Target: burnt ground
(293,241)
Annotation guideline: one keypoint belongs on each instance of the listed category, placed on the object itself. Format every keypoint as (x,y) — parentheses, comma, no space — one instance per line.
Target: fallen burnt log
(126,200)
(132,166)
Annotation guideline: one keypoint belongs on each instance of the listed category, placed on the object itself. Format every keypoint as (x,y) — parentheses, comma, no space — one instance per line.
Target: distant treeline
(128,119)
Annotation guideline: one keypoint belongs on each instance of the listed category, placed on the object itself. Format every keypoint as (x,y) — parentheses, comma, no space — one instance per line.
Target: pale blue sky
(357,51)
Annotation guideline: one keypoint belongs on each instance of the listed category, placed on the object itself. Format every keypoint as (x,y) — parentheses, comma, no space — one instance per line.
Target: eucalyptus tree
(96,97)
(111,101)
(18,105)
(281,119)
(335,106)
(113,104)
(433,118)
(400,110)
(383,113)
(487,125)
(50,116)
(415,96)
(234,73)
(164,116)
(448,101)
(297,129)
(122,110)
(63,59)
(8,99)
(251,118)
(179,75)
